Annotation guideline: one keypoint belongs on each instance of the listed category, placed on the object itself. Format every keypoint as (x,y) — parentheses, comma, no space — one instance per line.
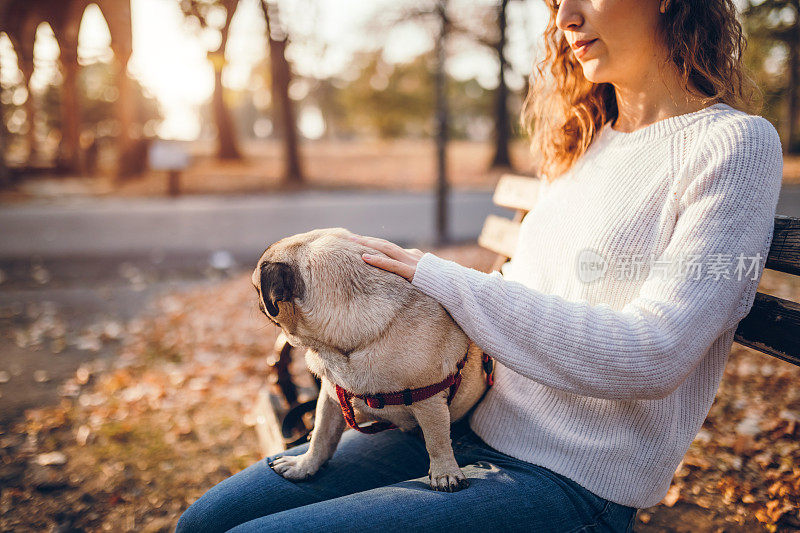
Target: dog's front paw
(294,467)
(450,480)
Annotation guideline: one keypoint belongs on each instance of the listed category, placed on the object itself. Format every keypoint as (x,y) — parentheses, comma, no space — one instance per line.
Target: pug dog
(368,331)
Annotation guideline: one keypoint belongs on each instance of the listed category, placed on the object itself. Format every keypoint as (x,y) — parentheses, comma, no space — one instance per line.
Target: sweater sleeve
(646,349)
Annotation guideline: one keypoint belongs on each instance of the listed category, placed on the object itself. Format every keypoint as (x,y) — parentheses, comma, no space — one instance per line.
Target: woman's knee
(220,508)
(195,519)
(255,491)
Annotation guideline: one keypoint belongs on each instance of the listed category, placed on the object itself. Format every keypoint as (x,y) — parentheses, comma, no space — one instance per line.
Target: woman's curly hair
(563,112)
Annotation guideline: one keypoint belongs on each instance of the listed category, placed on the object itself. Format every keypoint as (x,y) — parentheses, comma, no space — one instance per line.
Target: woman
(663,193)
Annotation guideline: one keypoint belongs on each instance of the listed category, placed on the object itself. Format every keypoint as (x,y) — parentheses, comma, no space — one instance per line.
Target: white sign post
(171,156)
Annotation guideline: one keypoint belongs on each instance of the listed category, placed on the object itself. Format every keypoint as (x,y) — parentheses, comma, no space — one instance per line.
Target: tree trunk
(502,129)
(26,66)
(4,178)
(227,145)
(283,113)
(69,149)
(442,233)
(129,162)
(227,142)
(126,166)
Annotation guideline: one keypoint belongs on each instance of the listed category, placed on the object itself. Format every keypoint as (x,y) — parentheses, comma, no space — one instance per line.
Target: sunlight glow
(94,39)
(247,45)
(170,61)
(45,58)
(9,71)
(311,123)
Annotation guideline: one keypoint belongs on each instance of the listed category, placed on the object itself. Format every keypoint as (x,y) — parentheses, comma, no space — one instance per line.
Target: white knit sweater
(606,376)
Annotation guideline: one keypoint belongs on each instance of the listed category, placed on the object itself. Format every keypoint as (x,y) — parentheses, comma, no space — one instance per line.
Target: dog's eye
(263,309)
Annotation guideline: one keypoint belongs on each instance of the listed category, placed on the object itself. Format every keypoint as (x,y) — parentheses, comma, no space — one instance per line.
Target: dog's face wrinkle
(345,353)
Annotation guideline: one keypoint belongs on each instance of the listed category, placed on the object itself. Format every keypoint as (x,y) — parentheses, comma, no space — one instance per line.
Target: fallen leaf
(51,459)
(673,495)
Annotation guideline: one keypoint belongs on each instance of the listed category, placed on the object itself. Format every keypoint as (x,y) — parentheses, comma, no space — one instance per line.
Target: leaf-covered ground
(135,441)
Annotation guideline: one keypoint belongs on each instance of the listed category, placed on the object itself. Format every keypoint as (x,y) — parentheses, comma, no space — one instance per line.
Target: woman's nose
(569,15)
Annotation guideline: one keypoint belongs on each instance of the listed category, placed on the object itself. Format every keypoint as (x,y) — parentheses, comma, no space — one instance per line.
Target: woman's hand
(400,261)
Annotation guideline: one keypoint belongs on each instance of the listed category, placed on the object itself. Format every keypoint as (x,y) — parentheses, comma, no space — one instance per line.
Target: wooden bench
(771,327)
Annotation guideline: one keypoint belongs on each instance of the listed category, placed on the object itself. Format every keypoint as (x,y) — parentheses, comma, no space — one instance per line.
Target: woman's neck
(652,97)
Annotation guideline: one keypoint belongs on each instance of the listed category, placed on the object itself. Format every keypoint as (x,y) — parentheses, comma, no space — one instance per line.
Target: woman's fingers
(382,245)
(395,259)
(390,265)
(374,242)
(389,248)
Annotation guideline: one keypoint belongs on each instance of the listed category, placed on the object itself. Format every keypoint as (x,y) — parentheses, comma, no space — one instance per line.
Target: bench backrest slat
(784,254)
(499,235)
(772,327)
(773,324)
(516,192)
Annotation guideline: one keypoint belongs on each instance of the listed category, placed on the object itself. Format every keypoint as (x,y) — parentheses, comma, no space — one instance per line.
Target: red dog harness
(407,396)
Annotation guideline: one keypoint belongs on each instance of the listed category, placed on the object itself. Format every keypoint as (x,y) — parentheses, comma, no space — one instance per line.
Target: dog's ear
(279,283)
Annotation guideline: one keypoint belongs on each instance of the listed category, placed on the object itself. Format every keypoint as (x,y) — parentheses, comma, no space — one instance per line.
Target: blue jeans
(379,483)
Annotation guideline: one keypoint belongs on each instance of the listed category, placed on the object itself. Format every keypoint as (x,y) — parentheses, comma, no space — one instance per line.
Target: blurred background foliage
(297,82)
(773,55)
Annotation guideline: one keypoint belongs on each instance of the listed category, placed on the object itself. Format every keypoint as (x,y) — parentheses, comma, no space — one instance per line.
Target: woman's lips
(580,51)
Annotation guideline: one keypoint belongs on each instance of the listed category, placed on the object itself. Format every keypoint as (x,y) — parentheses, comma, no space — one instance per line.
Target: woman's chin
(592,72)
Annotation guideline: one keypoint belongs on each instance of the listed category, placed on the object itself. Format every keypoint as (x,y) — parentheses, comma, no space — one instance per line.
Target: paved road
(240,225)
(237,224)
(789,201)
